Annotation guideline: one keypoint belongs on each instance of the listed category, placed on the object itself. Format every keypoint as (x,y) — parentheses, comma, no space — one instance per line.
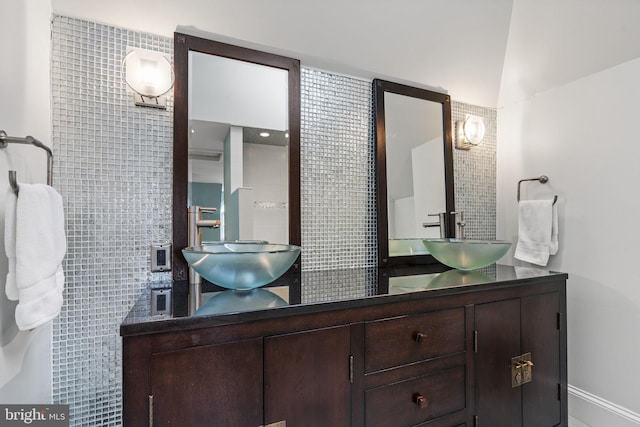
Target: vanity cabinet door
(306,378)
(541,336)
(498,340)
(214,385)
(507,329)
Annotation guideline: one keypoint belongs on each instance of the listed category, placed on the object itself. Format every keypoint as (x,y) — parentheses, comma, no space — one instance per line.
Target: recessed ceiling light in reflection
(264,134)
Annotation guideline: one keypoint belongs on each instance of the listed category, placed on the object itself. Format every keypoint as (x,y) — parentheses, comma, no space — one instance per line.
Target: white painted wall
(241,94)
(233,177)
(24,110)
(428,184)
(407,214)
(266,170)
(582,135)
(402,218)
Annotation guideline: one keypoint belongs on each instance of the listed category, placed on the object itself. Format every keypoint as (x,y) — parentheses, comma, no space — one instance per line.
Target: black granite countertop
(315,291)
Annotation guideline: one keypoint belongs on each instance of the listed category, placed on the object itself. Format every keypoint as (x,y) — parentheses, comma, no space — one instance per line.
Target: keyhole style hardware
(518,378)
(419,337)
(420,400)
(526,370)
(521,372)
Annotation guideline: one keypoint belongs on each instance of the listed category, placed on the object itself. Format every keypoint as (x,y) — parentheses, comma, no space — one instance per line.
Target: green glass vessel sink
(405,247)
(241,265)
(239,301)
(467,254)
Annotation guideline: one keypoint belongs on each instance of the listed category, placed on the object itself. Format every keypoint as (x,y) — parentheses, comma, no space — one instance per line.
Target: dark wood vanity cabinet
(437,359)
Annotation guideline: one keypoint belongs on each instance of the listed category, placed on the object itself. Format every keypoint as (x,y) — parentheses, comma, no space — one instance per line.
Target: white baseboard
(575,423)
(589,410)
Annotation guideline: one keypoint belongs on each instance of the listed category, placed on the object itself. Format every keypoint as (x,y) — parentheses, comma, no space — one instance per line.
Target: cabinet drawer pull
(420,400)
(420,337)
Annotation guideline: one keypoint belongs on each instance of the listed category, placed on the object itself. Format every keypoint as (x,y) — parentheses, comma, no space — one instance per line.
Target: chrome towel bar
(542,179)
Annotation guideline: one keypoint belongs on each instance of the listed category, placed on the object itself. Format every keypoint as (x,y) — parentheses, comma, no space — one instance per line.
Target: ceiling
(484,52)
(209,136)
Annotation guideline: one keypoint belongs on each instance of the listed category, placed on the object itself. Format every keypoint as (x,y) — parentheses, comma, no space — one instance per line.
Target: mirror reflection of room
(415,166)
(238,147)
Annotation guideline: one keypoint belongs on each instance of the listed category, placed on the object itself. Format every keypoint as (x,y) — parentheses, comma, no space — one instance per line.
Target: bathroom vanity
(363,347)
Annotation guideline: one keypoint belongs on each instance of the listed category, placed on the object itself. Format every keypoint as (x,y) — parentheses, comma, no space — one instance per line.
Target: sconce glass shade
(149,75)
(469,132)
(474,129)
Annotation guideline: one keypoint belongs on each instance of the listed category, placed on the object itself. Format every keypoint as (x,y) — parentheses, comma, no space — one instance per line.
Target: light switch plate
(160,258)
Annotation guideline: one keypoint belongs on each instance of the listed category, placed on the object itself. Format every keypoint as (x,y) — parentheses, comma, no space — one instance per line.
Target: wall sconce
(148,75)
(469,132)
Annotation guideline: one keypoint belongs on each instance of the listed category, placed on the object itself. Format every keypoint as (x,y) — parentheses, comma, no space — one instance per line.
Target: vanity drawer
(416,400)
(399,341)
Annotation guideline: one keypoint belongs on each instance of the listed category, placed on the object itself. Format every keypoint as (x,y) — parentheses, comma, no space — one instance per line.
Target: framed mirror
(414,161)
(236,144)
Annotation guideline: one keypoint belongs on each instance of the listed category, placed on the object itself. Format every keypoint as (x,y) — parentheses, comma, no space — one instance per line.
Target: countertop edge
(164,325)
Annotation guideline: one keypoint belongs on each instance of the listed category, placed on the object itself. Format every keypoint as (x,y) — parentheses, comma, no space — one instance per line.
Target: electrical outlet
(160,257)
(160,302)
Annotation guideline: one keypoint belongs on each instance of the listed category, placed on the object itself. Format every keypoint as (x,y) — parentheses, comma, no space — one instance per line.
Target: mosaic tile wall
(113,169)
(475,174)
(337,167)
(343,284)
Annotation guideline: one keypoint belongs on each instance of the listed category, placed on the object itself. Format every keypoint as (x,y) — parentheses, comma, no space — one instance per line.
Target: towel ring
(542,179)
(5,140)
(13,181)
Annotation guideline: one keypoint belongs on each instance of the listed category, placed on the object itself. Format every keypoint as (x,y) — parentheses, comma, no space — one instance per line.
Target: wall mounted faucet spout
(196,224)
(442,223)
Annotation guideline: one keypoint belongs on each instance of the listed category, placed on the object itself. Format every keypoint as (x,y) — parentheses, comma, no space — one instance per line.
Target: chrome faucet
(442,223)
(196,224)
(458,219)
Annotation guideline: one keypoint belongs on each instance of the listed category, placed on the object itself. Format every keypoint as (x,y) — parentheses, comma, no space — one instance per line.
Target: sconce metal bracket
(150,101)
(461,142)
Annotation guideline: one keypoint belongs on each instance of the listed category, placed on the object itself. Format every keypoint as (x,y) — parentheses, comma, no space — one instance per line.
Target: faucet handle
(459,223)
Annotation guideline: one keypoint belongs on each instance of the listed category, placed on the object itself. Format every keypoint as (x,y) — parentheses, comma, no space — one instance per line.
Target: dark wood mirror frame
(379,88)
(184,43)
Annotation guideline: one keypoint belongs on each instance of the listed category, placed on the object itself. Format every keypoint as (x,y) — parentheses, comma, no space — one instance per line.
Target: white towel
(11,288)
(537,231)
(40,246)
(553,246)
